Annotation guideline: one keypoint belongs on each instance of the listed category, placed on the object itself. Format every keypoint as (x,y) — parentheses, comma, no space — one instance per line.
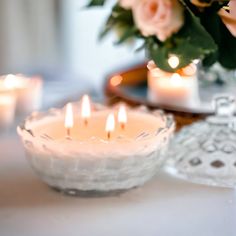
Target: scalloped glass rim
(26,127)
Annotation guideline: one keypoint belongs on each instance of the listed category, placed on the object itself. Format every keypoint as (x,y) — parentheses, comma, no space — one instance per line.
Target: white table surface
(163,207)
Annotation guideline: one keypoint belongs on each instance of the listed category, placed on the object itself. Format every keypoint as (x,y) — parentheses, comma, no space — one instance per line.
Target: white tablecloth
(163,207)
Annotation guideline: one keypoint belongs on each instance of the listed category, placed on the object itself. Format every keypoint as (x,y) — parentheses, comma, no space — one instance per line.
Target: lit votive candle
(98,156)
(175,89)
(28,91)
(7,110)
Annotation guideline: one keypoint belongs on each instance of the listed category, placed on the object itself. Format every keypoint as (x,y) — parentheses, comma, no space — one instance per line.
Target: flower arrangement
(188,29)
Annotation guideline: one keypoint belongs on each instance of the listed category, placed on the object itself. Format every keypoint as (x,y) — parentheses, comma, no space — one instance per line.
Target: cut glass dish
(205,152)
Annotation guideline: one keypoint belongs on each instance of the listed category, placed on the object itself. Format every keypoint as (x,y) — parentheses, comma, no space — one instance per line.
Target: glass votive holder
(29,94)
(7,110)
(27,90)
(179,89)
(88,162)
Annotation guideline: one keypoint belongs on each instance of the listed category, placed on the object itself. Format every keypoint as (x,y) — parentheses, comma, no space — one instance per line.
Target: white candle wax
(139,134)
(178,89)
(138,123)
(7,109)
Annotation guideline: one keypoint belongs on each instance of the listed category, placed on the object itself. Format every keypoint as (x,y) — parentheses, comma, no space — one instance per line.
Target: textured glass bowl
(79,169)
(205,152)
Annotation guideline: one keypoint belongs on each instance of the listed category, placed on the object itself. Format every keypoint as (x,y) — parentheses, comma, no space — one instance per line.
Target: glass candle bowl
(87,161)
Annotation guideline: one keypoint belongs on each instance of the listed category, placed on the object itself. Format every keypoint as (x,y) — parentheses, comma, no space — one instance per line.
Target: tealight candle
(28,91)
(7,110)
(178,89)
(99,156)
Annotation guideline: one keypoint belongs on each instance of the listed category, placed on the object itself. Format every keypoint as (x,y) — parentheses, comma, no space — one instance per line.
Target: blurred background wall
(55,37)
(29,34)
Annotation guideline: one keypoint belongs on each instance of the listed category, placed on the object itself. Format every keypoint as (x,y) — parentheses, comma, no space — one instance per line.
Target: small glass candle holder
(29,96)
(7,110)
(179,89)
(28,91)
(205,152)
(87,160)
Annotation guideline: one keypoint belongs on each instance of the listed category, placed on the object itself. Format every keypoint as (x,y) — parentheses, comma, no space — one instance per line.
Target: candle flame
(176,80)
(85,107)
(11,81)
(122,115)
(7,99)
(151,65)
(15,81)
(116,80)
(173,61)
(110,124)
(190,70)
(196,61)
(69,118)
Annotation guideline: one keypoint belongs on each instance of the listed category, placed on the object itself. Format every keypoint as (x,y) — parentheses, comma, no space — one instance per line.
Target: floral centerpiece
(189,29)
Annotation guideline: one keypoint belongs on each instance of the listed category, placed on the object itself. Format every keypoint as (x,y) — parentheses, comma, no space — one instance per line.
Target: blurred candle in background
(28,91)
(175,89)
(7,109)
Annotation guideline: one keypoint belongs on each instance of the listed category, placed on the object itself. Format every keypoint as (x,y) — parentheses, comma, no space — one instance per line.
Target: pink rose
(127,4)
(229,18)
(232,7)
(158,17)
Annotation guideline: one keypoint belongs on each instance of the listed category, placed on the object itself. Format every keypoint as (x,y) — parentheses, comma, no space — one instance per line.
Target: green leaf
(126,33)
(215,6)
(109,25)
(96,3)
(227,48)
(226,53)
(191,42)
(140,48)
(211,22)
(210,59)
(121,15)
(120,20)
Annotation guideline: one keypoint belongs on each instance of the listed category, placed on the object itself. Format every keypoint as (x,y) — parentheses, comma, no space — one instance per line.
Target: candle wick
(108,135)
(68,136)
(86,122)
(122,125)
